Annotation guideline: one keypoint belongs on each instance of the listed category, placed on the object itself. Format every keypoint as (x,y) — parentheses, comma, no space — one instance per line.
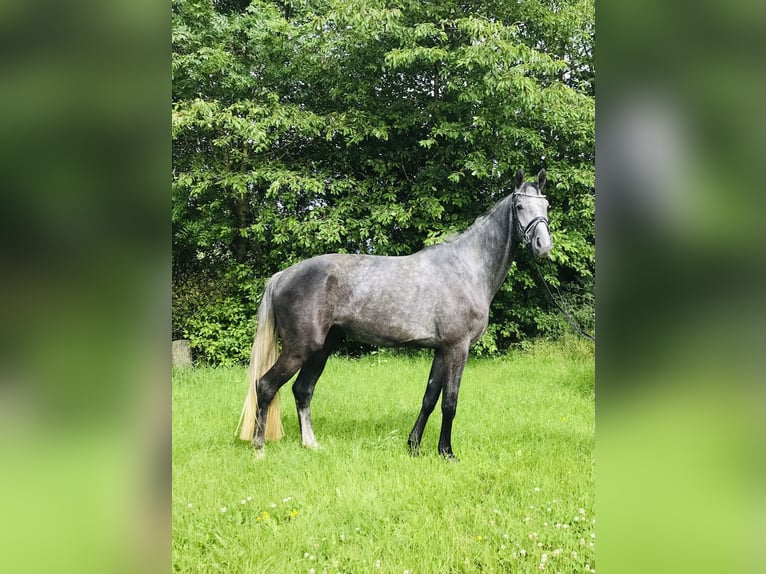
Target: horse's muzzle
(541,242)
(538,237)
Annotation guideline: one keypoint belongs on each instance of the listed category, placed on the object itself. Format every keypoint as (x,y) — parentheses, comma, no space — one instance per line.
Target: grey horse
(437,298)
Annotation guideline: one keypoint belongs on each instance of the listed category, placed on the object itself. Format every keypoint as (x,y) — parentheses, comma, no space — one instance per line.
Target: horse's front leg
(454,362)
(434,386)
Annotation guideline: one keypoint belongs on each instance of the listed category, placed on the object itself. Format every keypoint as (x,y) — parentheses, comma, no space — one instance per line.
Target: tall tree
(302,128)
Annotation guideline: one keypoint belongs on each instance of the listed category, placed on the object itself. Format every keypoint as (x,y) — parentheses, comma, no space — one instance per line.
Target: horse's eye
(519,206)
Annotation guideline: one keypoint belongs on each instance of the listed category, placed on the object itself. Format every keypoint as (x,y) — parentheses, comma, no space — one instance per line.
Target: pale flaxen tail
(263,355)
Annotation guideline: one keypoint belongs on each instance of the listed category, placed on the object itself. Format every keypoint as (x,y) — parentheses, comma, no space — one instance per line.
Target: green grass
(524,434)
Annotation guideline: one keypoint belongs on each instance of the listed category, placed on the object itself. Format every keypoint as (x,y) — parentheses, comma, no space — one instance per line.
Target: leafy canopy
(316,126)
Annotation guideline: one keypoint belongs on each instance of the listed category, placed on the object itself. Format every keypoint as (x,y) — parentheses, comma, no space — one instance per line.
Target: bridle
(527,231)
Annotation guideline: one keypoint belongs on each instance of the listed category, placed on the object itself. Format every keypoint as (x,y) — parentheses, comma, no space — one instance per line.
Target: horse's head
(530,214)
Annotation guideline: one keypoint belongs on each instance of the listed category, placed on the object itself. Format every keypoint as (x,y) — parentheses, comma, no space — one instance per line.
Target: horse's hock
(182,353)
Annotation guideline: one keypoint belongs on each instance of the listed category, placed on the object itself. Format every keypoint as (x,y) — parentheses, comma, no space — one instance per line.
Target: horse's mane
(480,220)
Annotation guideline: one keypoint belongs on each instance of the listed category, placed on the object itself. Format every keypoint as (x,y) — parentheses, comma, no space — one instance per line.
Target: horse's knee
(449,404)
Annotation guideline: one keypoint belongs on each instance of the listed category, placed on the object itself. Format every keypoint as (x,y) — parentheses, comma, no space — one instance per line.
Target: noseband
(527,231)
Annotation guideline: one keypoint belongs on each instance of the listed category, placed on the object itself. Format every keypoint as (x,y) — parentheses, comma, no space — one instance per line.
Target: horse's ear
(541,179)
(519,179)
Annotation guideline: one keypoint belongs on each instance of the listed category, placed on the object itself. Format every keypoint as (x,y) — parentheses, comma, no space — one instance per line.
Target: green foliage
(370,127)
(216,313)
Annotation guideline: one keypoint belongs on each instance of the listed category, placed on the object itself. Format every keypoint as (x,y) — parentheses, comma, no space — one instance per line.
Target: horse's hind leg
(286,366)
(433,388)
(303,390)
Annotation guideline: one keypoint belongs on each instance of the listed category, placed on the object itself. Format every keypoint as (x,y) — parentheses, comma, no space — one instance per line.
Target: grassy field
(521,499)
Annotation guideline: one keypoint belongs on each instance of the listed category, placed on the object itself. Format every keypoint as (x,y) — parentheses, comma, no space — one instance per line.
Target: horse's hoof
(259,453)
(311,445)
(413,446)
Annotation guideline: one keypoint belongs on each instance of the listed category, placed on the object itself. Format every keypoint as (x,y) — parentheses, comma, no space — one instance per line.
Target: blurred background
(85,289)
(680,291)
(84,286)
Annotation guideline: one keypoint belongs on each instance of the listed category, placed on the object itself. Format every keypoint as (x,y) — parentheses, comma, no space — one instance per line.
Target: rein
(575,325)
(526,233)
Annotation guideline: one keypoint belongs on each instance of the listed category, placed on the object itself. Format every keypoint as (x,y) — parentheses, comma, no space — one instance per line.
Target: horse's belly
(388,332)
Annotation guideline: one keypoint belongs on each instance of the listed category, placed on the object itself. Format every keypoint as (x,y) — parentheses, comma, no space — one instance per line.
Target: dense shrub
(363,127)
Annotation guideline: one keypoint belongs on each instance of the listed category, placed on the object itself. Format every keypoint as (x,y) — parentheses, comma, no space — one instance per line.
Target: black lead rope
(561,307)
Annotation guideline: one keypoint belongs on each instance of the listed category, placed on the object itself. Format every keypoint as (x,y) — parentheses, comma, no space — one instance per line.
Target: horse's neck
(488,248)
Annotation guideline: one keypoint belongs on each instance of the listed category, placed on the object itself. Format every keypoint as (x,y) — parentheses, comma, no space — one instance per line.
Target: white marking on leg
(307,433)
